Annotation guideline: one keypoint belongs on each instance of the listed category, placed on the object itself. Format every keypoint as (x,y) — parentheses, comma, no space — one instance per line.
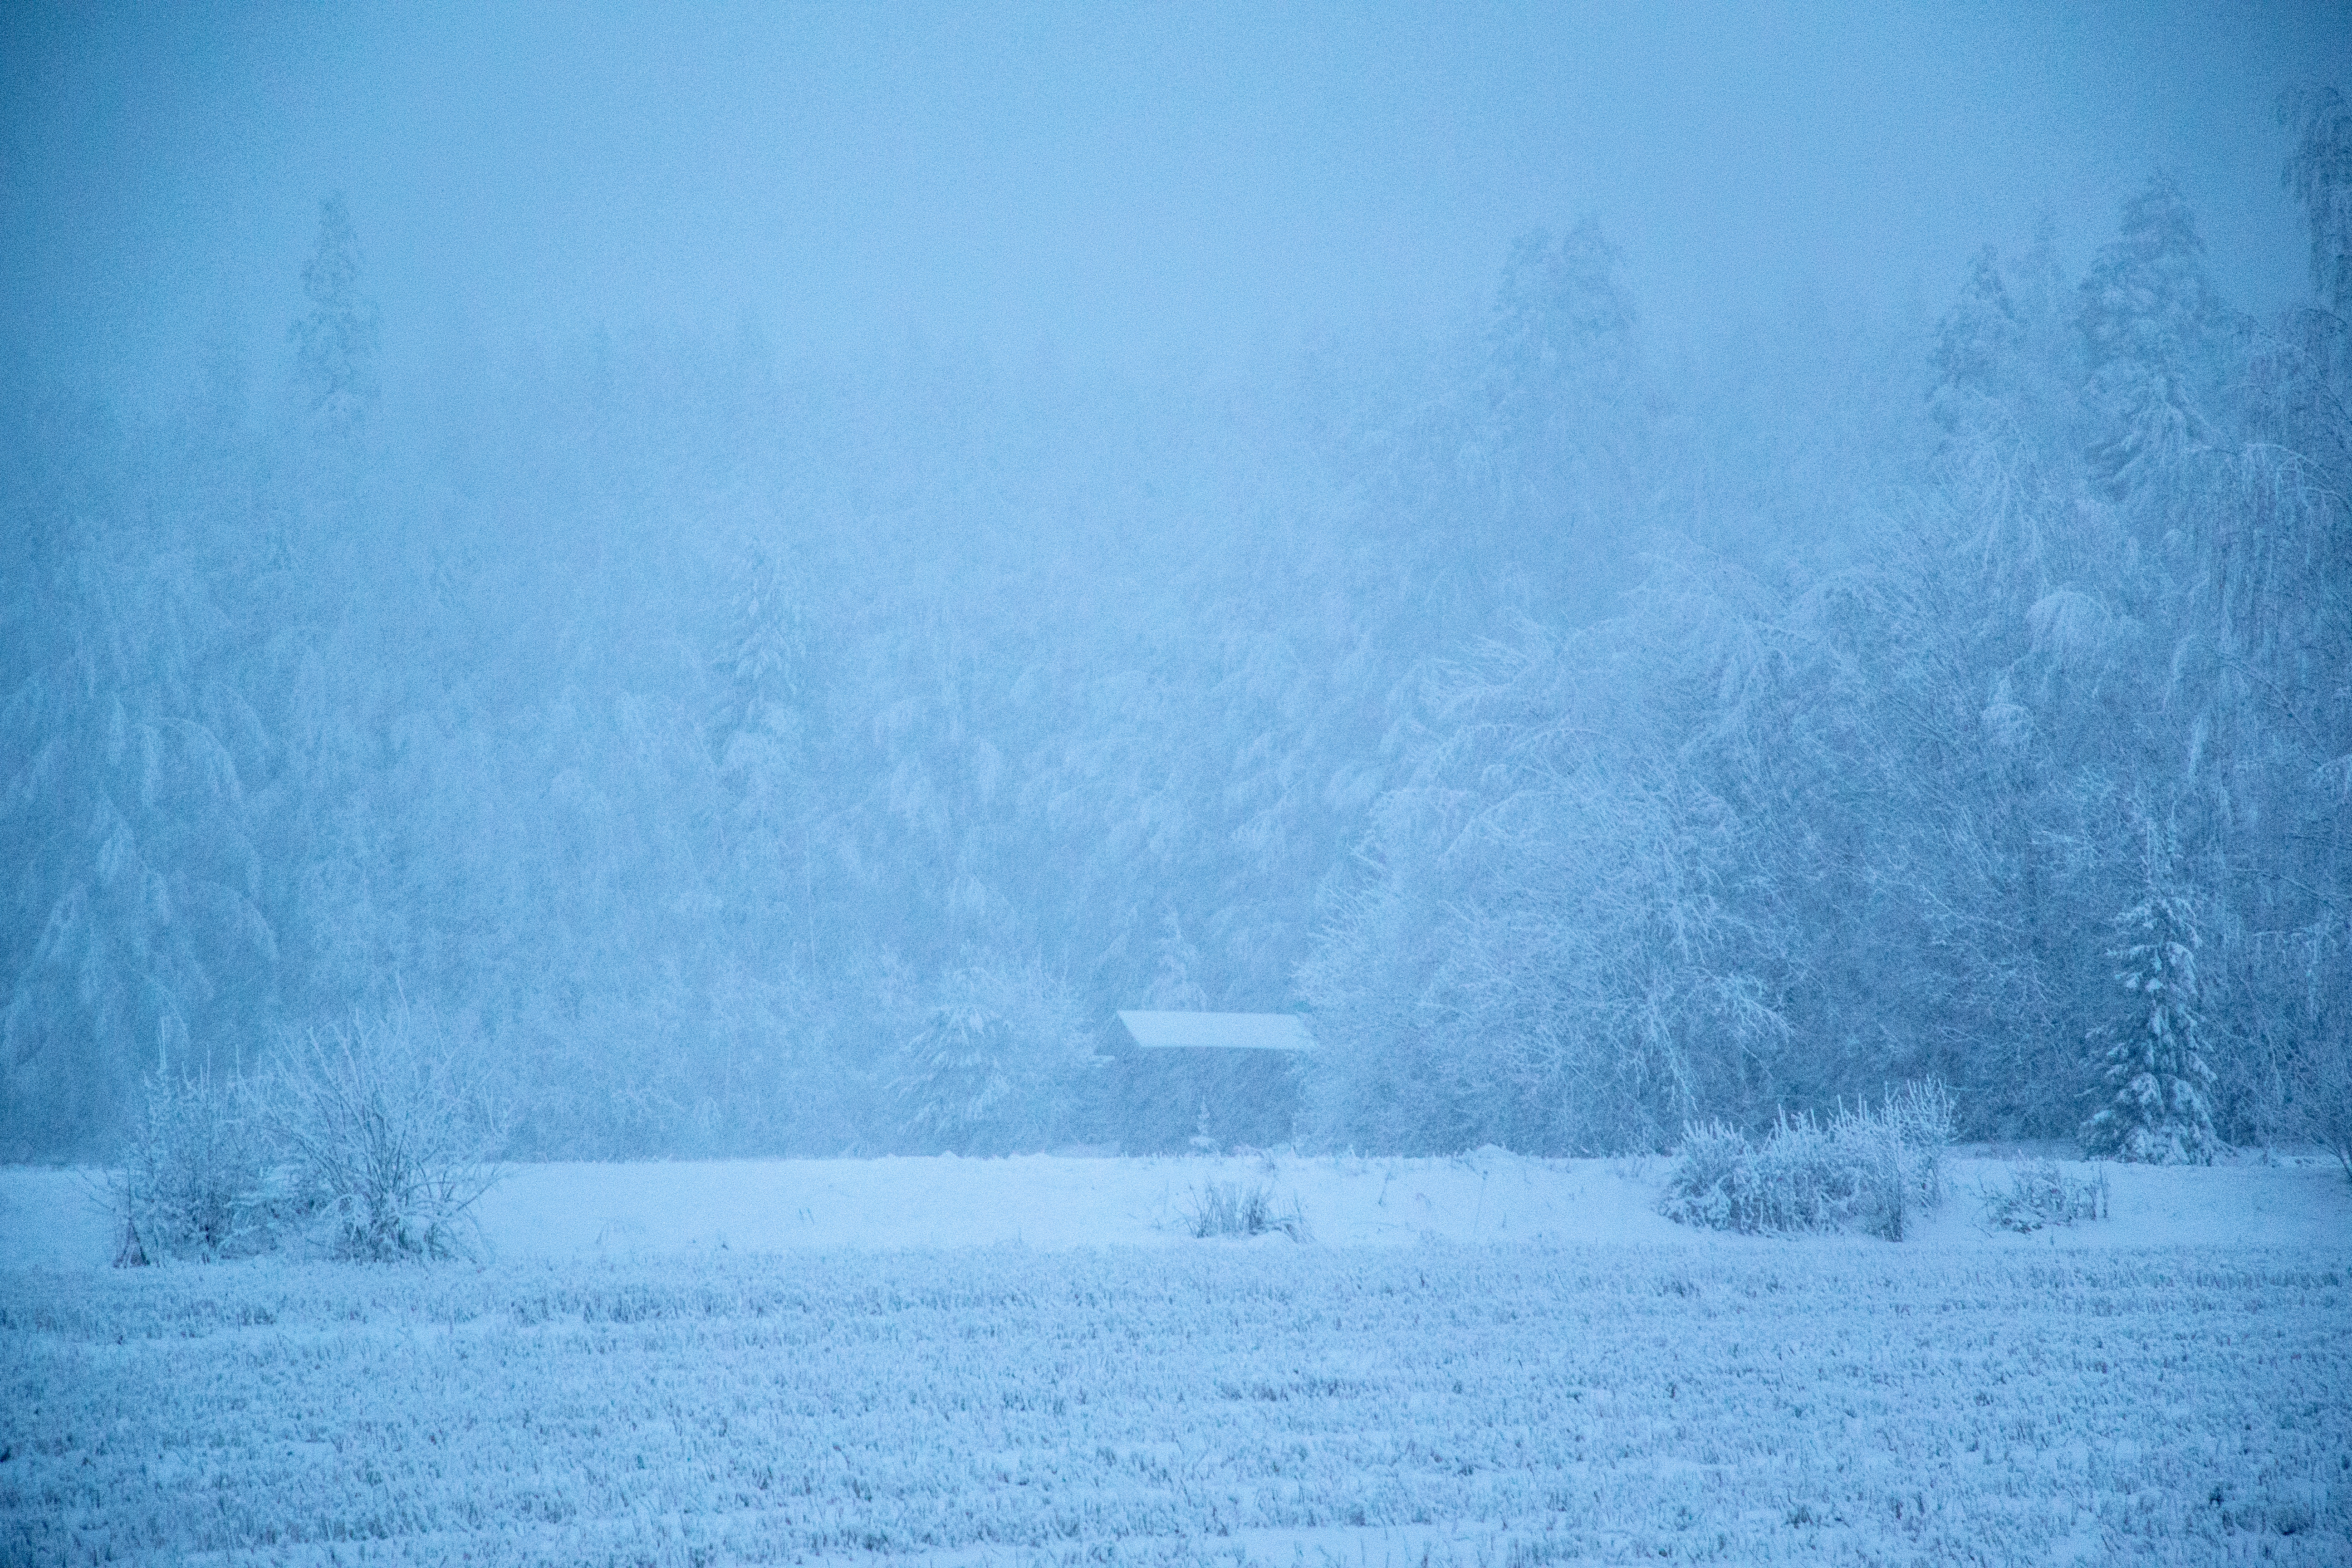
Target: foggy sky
(1123,184)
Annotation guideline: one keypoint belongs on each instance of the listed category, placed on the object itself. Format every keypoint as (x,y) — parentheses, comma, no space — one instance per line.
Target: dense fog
(1600,699)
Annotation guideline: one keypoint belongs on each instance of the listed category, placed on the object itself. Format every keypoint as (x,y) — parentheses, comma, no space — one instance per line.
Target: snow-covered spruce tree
(987,1070)
(131,931)
(336,344)
(2153,333)
(2161,1112)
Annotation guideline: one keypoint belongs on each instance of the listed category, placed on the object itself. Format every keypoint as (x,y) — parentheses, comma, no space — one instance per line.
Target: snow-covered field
(1479,1360)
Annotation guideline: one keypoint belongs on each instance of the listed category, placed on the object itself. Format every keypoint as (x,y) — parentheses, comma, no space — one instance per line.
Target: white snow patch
(51,1218)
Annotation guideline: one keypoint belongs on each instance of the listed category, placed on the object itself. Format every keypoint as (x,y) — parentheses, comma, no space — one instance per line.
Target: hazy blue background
(1121,181)
(1606,561)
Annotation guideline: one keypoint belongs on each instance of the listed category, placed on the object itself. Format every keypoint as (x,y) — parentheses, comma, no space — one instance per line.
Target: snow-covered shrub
(363,1137)
(1869,1168)
(390,1147)
(1710,1177)
(2039,1195)
(1229,1208)
(197,1181)
(1919,1117)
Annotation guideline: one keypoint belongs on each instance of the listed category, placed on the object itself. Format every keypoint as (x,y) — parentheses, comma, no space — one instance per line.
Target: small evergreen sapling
(2161,1112)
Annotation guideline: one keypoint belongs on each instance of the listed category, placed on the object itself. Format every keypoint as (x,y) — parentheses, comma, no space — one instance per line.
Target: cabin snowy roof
(1218,1031)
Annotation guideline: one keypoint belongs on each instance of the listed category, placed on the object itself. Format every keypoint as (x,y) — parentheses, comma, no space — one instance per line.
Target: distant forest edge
(723,756)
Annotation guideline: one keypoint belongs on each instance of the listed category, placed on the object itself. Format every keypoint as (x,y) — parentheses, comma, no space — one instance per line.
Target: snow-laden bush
(1230,1208)
(1866,1167)
(197,1180)
(2039,1195)
(390,1147)
(362,1140)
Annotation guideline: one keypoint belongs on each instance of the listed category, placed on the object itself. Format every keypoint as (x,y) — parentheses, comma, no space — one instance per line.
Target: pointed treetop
(336,343)
(1560,302)
(1977,337)
(2147,297)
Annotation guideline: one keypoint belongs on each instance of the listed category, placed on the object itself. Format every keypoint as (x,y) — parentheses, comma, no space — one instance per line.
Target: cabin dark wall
(1163,1100)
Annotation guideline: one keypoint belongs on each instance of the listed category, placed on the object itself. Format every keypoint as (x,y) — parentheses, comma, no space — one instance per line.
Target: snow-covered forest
(733,749)
(1333,783)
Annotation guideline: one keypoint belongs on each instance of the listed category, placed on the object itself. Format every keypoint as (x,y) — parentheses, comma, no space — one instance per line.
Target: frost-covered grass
(1816,1400)
(1235,1208)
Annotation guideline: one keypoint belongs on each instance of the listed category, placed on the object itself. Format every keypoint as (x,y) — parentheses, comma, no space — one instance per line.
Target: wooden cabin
(1228,1078)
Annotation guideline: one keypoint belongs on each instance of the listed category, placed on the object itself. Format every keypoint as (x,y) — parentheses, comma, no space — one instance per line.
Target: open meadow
(641,1390)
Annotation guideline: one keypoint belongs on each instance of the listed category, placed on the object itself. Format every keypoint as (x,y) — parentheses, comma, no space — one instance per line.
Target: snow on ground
(571,1210)
(1030,1361)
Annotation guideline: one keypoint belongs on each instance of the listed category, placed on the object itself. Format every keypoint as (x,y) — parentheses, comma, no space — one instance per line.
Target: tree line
(732,753)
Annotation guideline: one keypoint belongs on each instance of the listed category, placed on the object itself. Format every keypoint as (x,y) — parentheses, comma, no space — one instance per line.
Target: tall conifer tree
(2161,1111)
